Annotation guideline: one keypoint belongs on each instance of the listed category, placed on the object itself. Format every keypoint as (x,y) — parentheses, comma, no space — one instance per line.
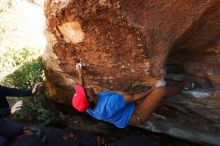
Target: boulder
(125,44)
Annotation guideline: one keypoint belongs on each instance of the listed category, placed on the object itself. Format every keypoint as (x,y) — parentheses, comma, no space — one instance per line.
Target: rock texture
(126,44)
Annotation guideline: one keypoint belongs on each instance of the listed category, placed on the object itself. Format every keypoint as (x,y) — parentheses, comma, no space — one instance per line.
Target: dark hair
(92,104)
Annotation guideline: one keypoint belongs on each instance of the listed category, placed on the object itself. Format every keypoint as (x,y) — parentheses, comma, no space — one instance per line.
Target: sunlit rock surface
(21,27)
(127,44)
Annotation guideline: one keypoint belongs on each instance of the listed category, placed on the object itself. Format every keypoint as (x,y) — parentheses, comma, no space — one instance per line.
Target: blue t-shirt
(111,107)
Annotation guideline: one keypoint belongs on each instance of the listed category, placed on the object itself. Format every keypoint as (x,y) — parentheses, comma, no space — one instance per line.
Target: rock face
(125,43)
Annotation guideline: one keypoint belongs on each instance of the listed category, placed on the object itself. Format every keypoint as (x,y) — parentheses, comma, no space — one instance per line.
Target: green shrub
(36,109)
(12,59)
(27,75)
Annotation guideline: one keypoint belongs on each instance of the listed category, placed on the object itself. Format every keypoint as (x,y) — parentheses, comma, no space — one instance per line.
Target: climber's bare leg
(149,104)
(141,95)
(145,109)
(134,98)
(170,91)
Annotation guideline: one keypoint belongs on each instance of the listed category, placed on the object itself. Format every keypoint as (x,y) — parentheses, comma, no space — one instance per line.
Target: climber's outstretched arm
(80,73)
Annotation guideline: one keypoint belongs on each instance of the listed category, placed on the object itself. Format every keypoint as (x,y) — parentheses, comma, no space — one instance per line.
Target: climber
(120,109)
(9,129)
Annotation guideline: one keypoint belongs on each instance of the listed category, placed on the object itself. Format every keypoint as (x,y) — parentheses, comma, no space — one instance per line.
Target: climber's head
(91,97)
(84,98)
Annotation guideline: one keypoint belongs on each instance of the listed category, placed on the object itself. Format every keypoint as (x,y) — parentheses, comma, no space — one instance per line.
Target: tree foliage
(36,109)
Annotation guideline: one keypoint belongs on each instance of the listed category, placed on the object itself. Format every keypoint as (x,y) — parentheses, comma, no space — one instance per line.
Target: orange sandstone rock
(133,42)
